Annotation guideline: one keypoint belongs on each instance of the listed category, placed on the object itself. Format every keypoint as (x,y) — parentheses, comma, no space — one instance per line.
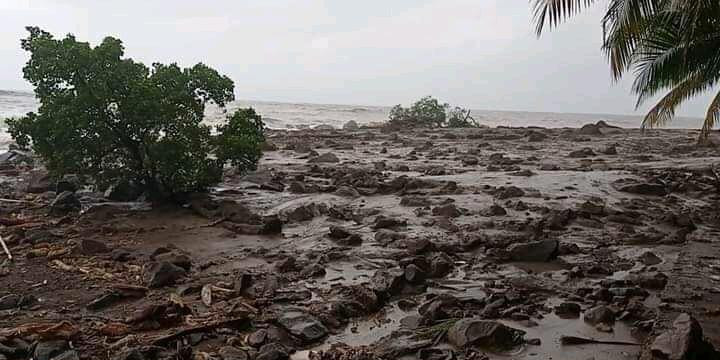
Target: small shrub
(112,119)
(430,113)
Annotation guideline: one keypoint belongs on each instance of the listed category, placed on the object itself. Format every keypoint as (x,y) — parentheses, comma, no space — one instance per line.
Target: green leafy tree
(429,112)
(670,45)
(110,118)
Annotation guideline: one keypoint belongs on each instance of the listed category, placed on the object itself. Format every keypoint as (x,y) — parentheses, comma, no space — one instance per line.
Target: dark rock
(609,150)
(68,355)
(92,247)
(388,282)
(386,236)
(584,152)
(272,351)
(483,333)
(469,160)
(68,182)
(10,301)
(175,258)
(536,136)
(509,192)
(268,145)
(599,315)
(568,310)
(684,341)
(123,190)
(449,211)
(350,125)
(47,350)
(649,258)
(272,186)
(159,274)
(440,265)
(414,274)
(384,222)
(232,353)
(325,158)
(347,191)
(644,189)
(590,129)
(494,210)
(415,201)
(651,280)
(65,202)
(535,251)
(302,325)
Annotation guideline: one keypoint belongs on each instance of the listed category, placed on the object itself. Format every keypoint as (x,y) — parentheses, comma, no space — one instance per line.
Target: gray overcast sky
(476,53)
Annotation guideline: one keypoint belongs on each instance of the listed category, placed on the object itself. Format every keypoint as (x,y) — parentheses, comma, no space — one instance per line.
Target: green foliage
(669,45)
(111,118)
(429,112)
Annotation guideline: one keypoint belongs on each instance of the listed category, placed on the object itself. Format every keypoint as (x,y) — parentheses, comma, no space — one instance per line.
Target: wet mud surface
(452,244)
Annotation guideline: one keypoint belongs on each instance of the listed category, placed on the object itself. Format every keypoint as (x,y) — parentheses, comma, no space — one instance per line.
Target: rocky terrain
(594,243)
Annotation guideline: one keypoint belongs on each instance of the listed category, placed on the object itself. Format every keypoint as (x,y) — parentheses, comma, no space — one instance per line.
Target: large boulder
(684,341)
(534,251)
(484,333)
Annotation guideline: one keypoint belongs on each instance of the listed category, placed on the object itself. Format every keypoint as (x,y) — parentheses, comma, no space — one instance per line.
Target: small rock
(325,158)
(302,325)
(584,152)
(92,247)
(232,353)
(649,258)
(414,275)
(568,310)
(484,333)
(65,202)
(494,210)
(272,351)
(599,315)
(351,125)
(534,251)
(509,192)
(48,350)
(448,211)
(160,274)
(644,189)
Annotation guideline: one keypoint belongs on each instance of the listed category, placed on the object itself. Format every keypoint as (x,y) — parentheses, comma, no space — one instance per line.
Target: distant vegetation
(430,113)
(670,45)
(112,119)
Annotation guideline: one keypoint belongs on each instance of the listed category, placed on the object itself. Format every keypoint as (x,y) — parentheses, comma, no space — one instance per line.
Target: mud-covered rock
(484,333)
(159,274)
(534,251)
(448,210)
(599,315)
(568,310)
(65,202)
(325,158)
(684,341)
(303,325)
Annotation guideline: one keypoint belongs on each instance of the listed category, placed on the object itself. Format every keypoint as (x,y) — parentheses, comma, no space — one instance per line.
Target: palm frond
(553,12)
(664,111)
(712,117)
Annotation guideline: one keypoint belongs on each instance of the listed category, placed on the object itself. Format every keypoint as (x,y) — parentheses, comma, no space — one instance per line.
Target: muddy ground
(364,244)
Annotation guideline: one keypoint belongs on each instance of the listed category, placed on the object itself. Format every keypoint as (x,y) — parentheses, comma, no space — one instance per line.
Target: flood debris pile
(455,244)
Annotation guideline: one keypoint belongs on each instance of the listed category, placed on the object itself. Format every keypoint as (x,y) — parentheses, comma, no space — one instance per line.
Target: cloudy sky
(476,53)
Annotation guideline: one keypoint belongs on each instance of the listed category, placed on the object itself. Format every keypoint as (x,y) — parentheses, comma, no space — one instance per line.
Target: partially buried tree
(671,45)
(112,119)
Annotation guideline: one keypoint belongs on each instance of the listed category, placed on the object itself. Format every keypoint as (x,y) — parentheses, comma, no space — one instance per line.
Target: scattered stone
(272,351)
(568,310)
(484,333)
(325,158)
(65,202)
(449,211)
(649,258)
(159,274)
(644,189)
(232,353)
(351,125)
(469,160)
(584,152)
(347,191)
(494,210)
(92,247)
(534,251)
(509,192)
(599,315)
(302,325)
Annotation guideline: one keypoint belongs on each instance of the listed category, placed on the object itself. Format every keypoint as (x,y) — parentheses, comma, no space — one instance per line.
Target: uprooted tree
(429,112)
(112,119)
